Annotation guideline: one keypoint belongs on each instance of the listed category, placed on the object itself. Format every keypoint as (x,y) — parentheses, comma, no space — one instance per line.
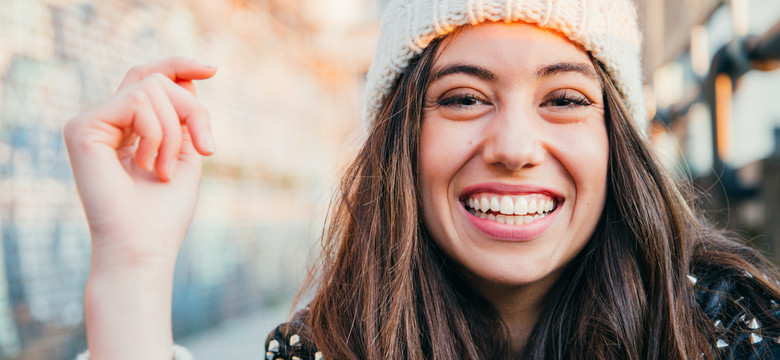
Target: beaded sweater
(743,331)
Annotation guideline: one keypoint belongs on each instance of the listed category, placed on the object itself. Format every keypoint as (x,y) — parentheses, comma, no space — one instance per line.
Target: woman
(504,205)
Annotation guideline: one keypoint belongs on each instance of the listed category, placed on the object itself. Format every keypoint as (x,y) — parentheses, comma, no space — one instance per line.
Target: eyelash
(563,99)
(461,101)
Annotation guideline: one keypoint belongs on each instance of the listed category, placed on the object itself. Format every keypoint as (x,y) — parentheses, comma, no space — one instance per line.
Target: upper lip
(499,188)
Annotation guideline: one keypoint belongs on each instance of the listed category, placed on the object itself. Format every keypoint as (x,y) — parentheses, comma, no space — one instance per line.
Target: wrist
(145,266)
(138,254)
(128,312)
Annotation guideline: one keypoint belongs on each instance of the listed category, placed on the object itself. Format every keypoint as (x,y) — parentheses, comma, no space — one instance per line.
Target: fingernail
(210,144)
(208,65)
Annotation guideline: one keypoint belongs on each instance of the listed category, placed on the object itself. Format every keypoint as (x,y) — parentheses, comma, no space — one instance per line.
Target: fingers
(173,107)
(158,109)
(177,69)
(169,126)
(146,126)
(191,113)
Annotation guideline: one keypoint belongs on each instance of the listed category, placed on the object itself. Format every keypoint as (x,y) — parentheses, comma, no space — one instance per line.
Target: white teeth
(528,219)
(510,220)
(483,215)
(532,206)
(494,205)
(521,206)
(506,206)
(491,217)
(501,219)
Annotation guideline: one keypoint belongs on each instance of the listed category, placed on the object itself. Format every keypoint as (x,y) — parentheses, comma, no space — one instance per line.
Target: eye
(566,99)
(461,104)
(461,101)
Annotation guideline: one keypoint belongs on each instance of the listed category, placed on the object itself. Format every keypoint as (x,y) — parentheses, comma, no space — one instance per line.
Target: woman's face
(513,153)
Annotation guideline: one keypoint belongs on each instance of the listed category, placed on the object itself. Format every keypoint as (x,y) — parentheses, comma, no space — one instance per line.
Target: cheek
(586,154)
(444,150)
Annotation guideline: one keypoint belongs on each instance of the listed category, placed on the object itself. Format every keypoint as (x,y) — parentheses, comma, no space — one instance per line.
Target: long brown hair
(384,290)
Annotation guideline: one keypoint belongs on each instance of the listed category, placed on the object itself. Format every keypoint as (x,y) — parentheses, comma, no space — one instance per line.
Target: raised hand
(139,199)
(136,159)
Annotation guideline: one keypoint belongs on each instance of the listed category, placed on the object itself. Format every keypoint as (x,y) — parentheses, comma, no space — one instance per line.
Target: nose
(513,140)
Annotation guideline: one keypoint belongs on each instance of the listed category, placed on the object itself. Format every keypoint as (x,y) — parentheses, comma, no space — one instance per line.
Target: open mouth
(510,209)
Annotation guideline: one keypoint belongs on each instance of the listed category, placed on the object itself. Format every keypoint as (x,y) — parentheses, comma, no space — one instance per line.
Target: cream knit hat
(606,28)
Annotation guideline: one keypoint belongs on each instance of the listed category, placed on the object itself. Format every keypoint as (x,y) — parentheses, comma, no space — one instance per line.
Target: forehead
(508,45)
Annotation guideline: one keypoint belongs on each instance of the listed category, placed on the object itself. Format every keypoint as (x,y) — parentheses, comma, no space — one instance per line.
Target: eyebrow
(473,70)
(563,67)
(542,72)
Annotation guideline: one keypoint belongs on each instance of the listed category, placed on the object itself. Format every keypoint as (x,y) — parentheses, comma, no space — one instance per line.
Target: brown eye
(462,104)
(461,101)
(566,99)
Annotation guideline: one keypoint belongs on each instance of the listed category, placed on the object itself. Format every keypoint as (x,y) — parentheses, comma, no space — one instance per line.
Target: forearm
(128,312)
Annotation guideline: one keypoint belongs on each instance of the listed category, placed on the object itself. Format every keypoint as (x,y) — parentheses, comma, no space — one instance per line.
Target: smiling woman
(525,128)
(504,205)
(527,134)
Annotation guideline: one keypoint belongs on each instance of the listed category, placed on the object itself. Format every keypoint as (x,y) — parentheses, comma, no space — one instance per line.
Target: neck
(519,306)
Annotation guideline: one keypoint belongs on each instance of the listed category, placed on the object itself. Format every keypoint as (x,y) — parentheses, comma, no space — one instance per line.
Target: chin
(509,270)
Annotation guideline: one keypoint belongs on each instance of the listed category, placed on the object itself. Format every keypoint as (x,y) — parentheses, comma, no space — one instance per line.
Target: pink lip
(505,232)
(501,188)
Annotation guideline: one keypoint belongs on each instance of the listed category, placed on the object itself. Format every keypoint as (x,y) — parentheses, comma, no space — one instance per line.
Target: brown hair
(385,290)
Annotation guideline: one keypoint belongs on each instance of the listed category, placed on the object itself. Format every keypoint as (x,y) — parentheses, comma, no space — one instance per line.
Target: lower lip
(504,232)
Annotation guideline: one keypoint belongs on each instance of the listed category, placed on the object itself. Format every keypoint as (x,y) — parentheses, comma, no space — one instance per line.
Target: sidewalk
(242,338)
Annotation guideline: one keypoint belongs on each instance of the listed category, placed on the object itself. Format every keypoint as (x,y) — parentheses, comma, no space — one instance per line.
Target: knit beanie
(607,29)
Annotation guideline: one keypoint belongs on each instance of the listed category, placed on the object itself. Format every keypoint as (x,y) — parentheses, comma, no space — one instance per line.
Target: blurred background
(285,107)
